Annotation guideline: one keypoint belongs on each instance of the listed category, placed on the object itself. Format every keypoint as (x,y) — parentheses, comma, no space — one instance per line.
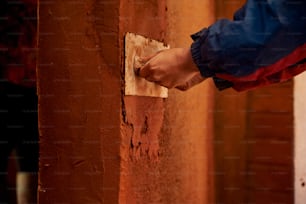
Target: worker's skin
(172,68)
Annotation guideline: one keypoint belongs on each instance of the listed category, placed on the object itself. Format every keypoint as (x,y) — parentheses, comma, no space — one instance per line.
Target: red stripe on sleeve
(262,72)
(278,77)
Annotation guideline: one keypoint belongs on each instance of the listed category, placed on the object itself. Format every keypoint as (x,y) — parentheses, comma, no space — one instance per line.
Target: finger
(198,78)
(145,59)
(150,79)
(166,83)
(144,71)
(182,87)
(138,63)
(153,77)
(137,71)
(142,66)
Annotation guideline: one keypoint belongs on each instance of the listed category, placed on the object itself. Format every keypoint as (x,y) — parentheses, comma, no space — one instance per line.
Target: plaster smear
(144,116)
(137,46)
(143,108)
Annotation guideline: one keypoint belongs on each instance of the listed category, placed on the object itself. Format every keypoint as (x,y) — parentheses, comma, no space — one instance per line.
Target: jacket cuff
(222,84)
(196,53)
(202,63)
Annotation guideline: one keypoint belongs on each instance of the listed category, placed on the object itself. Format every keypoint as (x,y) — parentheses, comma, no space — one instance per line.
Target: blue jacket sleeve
(239,14)
(261,33)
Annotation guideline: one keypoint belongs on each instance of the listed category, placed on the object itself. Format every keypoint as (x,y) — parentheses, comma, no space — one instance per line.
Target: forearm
(260,36)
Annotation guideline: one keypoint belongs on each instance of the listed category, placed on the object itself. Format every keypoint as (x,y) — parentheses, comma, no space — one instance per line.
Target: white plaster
(300,138)
(137,46)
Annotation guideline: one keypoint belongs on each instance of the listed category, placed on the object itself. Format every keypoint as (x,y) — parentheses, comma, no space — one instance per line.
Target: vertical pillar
(171,162)
(98,145)
(79,92)
(191,112)
(143,178)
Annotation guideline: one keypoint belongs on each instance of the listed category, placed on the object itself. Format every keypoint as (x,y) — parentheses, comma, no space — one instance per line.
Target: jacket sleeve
(250,49)
(239,14)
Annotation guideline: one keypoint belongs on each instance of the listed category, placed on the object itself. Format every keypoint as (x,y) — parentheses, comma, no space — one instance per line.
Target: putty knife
(137,46)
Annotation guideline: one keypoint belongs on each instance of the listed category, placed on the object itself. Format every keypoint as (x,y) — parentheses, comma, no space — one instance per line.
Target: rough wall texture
(142,117)
(79,101)
(253,139)
(165,154)
(99,146)
(190,113)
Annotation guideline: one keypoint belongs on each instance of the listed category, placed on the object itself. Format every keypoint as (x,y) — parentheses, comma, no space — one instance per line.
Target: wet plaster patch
(144,119)
(137,46)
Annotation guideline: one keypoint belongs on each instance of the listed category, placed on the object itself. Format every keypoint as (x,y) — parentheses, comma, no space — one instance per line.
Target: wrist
(201,62)
(190,62)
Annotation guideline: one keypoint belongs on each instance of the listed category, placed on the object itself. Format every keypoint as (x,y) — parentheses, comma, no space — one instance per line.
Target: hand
(171,68)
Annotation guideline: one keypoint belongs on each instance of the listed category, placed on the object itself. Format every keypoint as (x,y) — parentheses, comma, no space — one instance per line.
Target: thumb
(141,66)
(196,79)
(138,63)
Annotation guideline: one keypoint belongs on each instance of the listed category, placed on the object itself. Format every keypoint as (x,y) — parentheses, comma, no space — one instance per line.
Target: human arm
(171,68)
(255,49)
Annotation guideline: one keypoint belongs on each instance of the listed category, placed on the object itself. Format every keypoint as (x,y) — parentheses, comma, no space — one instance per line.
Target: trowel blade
(137,46)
